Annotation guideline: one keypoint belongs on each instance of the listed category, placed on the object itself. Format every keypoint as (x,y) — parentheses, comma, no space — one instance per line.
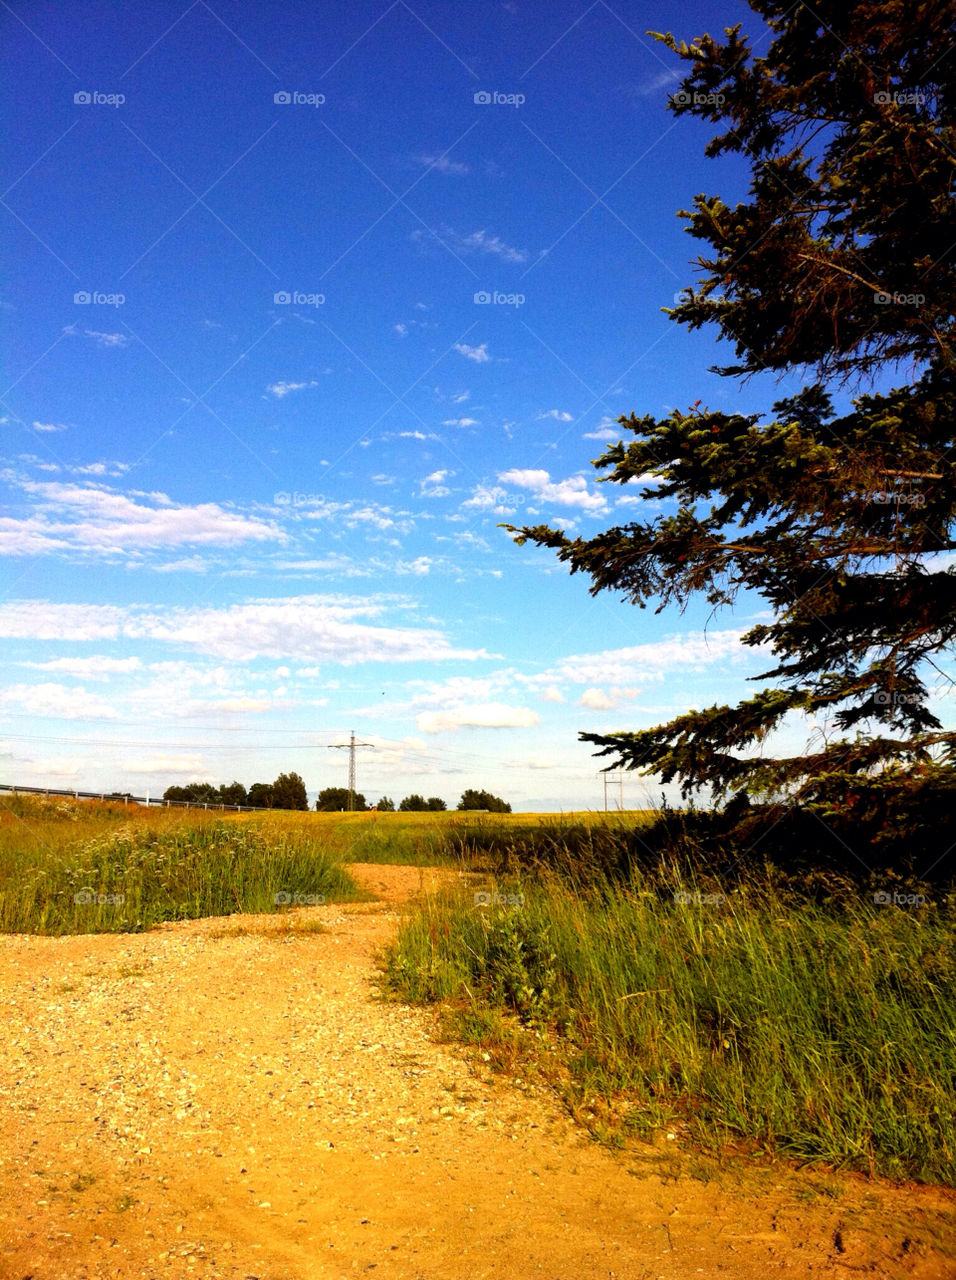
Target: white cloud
(489,715)
(460,422)
(311,628)
(697,650)
(400,329)
(107,339)
(96,667)
(191,766)
(419,567)
(443,165)
(602,433)
(188,564)
(65,702)
(572,492)
(41,620)
(102,469)
(280,389)
(598,700)
(558,414)
(474,242)
(103,521)
(494,498)
(478,354)
(433,486)
(50,426)
(552,694)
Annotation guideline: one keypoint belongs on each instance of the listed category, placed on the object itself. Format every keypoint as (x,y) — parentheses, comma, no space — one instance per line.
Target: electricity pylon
(350,747)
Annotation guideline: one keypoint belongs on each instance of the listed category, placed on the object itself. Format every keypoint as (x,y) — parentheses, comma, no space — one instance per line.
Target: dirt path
(227,1098)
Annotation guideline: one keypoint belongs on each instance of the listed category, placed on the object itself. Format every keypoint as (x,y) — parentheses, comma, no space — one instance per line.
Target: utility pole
(350,748)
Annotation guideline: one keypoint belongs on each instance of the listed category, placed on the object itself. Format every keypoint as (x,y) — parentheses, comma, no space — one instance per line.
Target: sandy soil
(229,1098)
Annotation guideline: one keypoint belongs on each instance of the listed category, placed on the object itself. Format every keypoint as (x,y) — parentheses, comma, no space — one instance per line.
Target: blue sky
(252,485)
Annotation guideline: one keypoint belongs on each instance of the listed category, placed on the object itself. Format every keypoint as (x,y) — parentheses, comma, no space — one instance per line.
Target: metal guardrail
(156,802)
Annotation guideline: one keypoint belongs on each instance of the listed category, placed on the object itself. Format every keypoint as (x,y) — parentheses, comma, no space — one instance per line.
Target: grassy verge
(820,1031)
(76,868)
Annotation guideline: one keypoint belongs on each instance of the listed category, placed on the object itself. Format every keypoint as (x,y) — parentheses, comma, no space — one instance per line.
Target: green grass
(78,868)
(823,1032)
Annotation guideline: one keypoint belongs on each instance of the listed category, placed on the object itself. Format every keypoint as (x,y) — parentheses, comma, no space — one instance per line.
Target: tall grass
(825,1032)
(72,868)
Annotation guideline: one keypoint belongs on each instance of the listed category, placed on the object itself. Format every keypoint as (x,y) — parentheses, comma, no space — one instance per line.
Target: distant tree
(435,805)
(336,800)
(386,805)
(288,792)
(233,793)
(260,795)
(195,792)
(414,804)
(472,799)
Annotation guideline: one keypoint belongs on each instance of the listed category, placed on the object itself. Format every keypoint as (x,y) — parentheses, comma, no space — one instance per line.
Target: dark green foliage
(386,805)
(418,804)
(472,799)
(840,263)
(260,795)
(337,800)
(413,804)
(288,792)
(195,792)
(233,793)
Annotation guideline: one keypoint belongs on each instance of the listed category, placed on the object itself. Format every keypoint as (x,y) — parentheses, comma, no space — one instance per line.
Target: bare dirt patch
(229,1098)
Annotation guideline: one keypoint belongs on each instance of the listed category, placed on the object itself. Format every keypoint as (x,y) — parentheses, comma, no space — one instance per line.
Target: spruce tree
(838,267)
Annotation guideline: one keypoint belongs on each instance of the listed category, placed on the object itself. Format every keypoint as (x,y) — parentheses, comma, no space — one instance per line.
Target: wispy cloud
(488,715)
(99,520)
(107,339)
(280,389)
(443,165)
(480,241)
(343,629)
(433,486)
(478,354)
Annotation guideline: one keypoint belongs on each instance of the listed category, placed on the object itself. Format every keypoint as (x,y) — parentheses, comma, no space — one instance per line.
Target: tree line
(288,792)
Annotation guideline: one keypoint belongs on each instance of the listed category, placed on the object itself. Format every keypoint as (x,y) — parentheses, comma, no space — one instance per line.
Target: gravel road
(229,1099)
